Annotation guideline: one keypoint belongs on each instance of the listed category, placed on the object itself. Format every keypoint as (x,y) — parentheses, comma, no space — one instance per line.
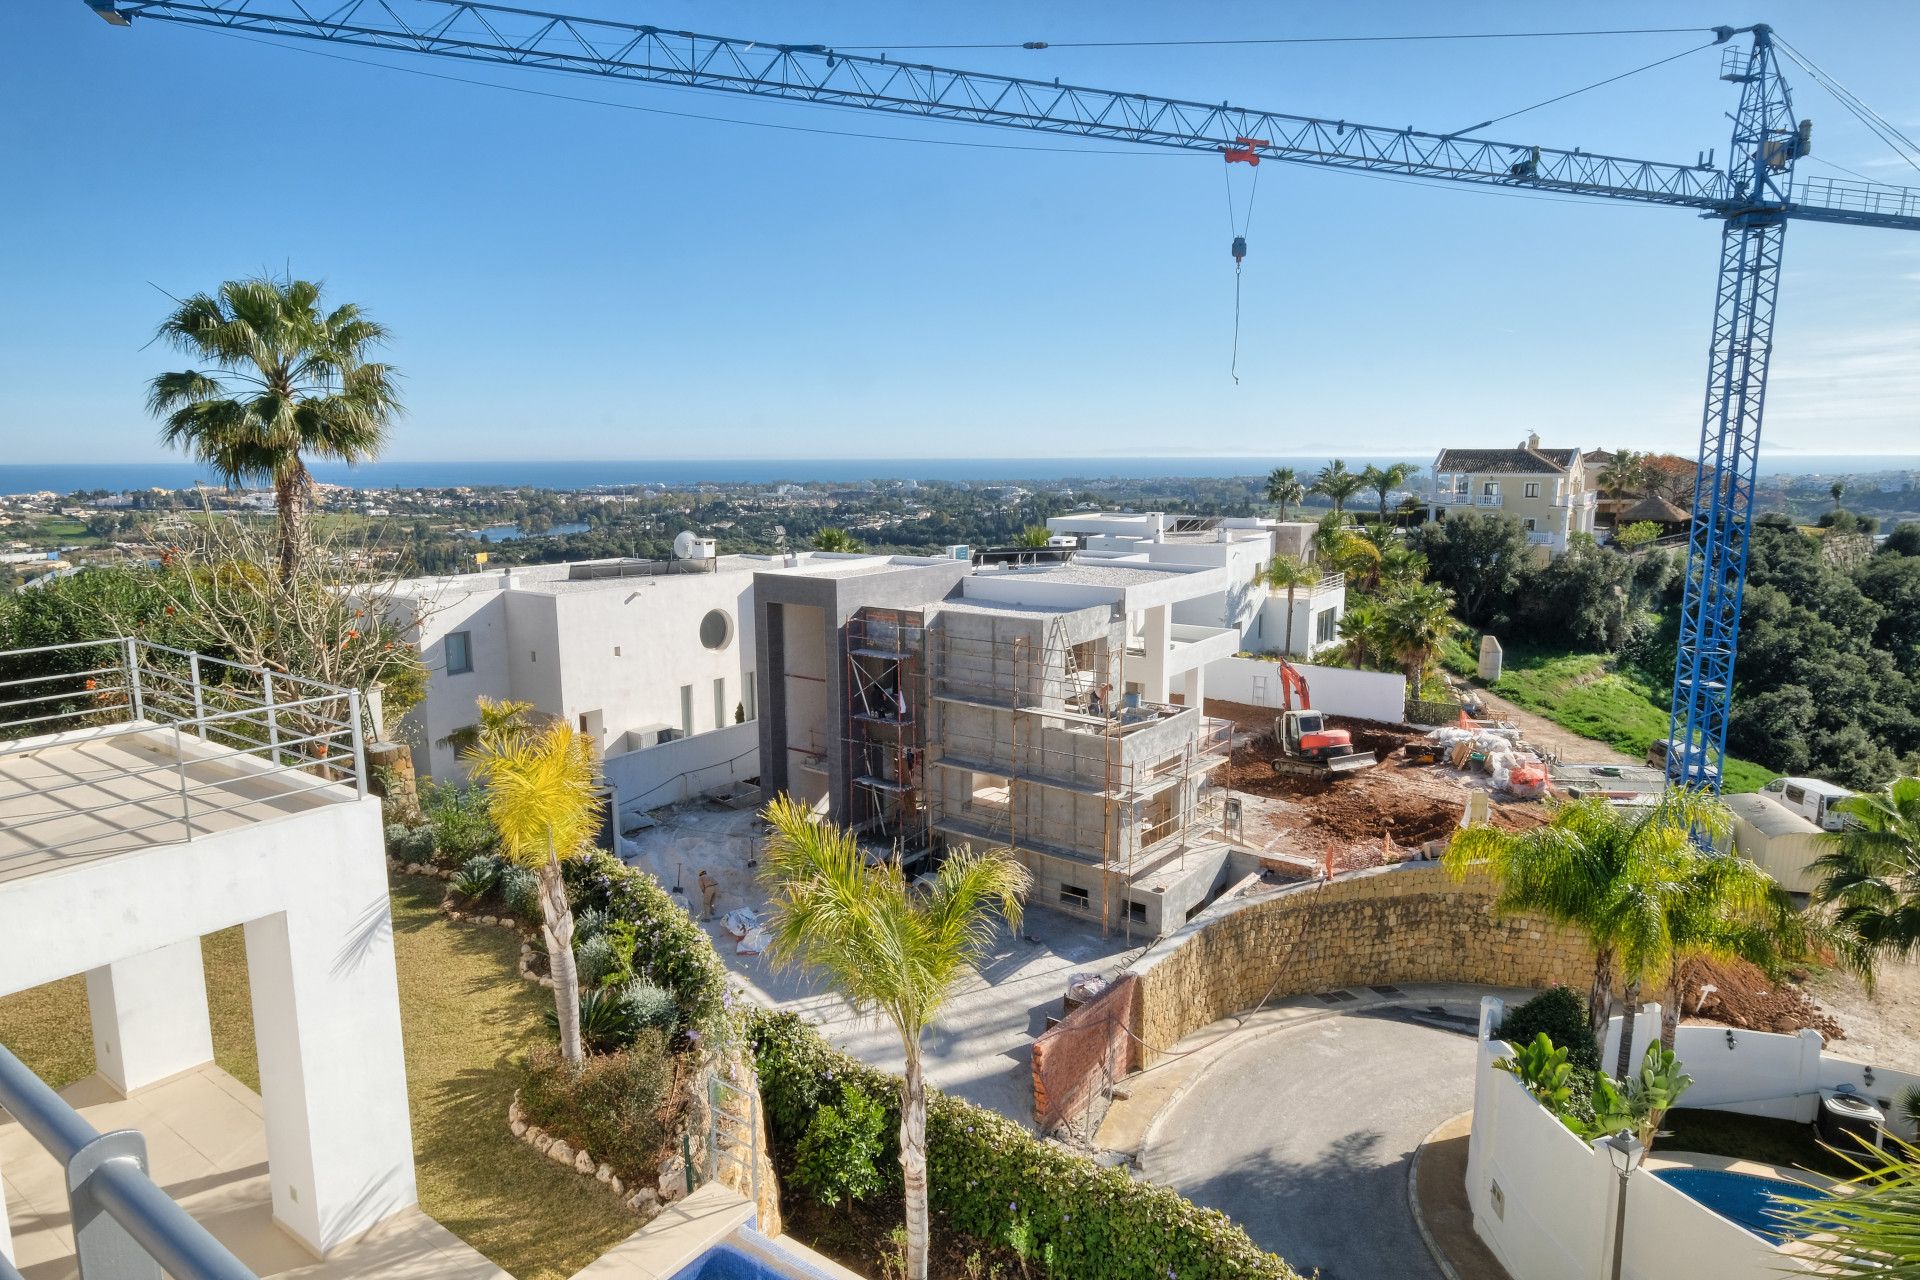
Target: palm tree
(1383,480)
(1284,488)
(1871,876)
(1337,483)
(1417,621)
(1034,535)
(1363,628)
(1599,870)
(1837,490)
(832,539)
(297,382)
(542,799)
(1722,906)
(887,948)
(1869,1231)
(1287,573)
(1624,473)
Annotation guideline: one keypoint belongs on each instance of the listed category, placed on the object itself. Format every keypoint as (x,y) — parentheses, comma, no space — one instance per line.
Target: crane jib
(1754,197)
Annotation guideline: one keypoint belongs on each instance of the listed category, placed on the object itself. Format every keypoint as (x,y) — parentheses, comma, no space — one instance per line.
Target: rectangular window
(1531,523)
(1461,484)
(1490,489)
(721,714)
(459,650)
(1074,898)
(1326,626)
(686,710)
(747,695)
(1533,488)
(1137,912)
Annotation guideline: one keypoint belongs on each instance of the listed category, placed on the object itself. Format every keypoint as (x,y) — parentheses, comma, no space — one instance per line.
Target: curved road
(1304,1137)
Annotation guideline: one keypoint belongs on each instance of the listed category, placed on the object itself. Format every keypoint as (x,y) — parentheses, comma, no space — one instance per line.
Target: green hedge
(1070,1218)
(671,949)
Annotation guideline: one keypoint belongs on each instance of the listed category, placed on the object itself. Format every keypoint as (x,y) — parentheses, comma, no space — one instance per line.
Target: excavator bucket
(1351,764)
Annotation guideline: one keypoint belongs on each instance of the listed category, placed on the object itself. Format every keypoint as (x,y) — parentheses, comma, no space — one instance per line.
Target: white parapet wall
(1365,695)
(311,889)
(682,769)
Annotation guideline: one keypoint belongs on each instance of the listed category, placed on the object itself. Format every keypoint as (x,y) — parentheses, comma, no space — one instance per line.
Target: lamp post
(1624,1150)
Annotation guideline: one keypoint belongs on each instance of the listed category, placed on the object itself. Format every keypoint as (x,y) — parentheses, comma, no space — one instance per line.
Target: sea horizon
(583,474)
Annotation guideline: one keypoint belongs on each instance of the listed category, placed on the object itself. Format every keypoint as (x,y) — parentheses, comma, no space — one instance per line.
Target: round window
(716,629)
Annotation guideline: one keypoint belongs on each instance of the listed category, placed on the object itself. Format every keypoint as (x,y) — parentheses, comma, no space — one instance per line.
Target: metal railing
(124,1226)
(305,732)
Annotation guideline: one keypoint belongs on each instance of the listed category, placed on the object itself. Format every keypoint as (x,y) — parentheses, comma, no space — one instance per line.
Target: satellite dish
(688,545)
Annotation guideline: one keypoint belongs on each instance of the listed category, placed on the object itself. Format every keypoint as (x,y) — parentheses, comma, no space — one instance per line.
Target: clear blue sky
(572,281)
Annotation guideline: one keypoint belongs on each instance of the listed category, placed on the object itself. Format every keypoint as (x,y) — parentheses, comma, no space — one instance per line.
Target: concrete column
(1193,687)
(326,1016)
(150,1016)
(1153,668)
(6,1232)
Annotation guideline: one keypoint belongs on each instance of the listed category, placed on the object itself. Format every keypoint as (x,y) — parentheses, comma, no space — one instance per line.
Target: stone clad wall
(1409,923)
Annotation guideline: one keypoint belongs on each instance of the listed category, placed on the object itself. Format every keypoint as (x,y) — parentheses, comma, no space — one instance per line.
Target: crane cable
(1237,228)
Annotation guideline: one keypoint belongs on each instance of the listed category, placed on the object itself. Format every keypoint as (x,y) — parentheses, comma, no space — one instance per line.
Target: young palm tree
(541,796)
(832,539)
(1418,620)
(290,381)
(1034,535)
(1722,906)
(888,948)
(1383,480)
(1337,483)
(1871,876)
(1286,573)
(1284,489)
(1363,628)
(1600,870)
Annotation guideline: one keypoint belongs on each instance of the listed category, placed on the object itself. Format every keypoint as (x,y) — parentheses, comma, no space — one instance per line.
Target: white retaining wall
(682,769)
(1367,695)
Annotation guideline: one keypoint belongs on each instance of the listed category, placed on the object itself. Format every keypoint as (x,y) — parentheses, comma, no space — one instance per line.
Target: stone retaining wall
(1405,923)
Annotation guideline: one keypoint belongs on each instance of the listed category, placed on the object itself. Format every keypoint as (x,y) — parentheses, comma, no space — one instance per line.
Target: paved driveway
(1304,1136)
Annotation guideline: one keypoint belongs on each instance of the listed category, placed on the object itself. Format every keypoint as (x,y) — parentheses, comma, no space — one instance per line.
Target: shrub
(593,958)
(650,1007)
(841,1155)
(461,827)
(477,877)
(613,1104)
(588,924)
(606,1021)
(670,949)
(1563,1016)
(520,891)
(1062,1214)
(409,844)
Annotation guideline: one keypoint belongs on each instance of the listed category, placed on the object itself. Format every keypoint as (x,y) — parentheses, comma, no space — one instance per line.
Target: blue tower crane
(1754,198)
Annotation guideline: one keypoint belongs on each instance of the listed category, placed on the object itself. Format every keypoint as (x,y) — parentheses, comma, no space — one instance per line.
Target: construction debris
(1733,993)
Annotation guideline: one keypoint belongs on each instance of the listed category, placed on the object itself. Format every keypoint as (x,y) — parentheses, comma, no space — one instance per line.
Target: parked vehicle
(1816,801)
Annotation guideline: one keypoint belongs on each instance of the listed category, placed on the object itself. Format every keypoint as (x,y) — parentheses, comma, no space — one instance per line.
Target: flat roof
(1091,575)
(554,579)
(1769,816)
(983,606)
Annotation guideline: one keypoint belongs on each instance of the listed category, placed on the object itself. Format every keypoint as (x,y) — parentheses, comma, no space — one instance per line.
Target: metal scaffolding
(886,725)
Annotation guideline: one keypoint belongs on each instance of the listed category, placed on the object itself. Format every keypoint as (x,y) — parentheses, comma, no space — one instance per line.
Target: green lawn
(467,1019)
(1596,697)
(1725,1133)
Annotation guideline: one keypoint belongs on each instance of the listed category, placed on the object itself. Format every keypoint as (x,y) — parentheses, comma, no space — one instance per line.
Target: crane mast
(1754,198)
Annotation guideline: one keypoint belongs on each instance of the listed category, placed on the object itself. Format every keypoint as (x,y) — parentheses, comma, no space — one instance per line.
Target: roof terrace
(111,746)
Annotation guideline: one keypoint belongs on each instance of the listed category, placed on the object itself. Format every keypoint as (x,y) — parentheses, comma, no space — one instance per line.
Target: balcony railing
(1489,500)
(307,733)
(124,1226)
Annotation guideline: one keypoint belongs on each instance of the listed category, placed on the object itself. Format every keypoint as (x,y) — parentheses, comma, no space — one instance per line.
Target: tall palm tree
(1625,473)
(1722,906)
(1837,490)
(1288,573)
(832,539)
(1871,876)
(1337,483)
(542,799)
(889,949)
(289,381)
(1383,480)
(1418,620)
(1284,488)
(1597,869)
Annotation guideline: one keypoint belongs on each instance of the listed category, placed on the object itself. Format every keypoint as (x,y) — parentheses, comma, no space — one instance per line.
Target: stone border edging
(431,872)
(1440,1258)
(643,1201)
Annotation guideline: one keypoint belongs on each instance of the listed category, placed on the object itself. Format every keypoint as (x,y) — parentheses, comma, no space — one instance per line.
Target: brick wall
(1075,1061)
(1408,923)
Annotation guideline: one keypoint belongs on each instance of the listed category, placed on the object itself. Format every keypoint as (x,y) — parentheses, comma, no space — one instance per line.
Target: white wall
(311,889)
(679,770)
(1367,695)
(1308,605)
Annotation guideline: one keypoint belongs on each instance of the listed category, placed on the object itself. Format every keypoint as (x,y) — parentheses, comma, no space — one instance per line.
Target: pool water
(763,1262)
(1756,1203)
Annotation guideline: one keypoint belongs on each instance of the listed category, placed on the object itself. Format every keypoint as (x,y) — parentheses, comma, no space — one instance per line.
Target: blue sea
(116,477)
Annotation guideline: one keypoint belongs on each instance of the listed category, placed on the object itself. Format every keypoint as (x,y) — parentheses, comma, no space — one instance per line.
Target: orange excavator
(1308,746)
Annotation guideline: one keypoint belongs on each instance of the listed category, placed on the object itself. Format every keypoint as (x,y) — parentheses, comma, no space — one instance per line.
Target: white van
(1816,801)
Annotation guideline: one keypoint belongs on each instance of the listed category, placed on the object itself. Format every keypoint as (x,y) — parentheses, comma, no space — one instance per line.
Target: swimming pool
(748,1255)
(1750,1201)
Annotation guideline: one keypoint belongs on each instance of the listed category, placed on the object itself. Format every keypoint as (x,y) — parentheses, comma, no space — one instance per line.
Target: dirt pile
(1737,994)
